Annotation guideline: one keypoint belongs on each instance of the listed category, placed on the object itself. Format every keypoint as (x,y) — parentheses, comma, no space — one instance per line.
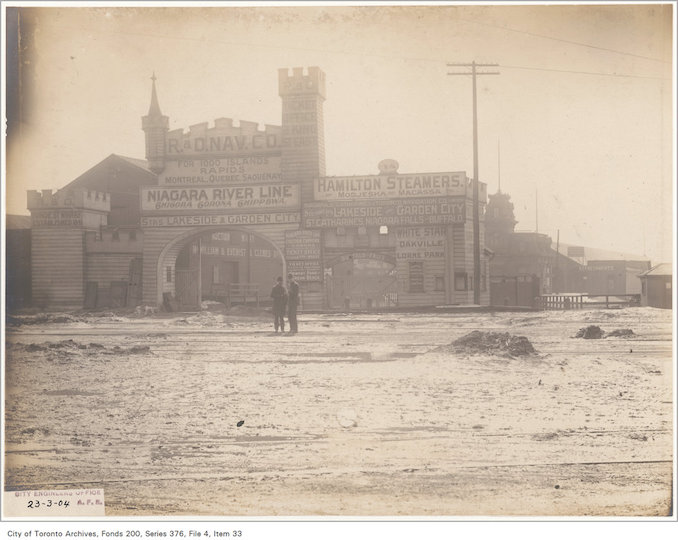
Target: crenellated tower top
(300,83)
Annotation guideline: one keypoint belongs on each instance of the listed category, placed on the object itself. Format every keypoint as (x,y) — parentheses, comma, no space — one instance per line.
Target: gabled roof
(141,163)
(662,269)
(115,174)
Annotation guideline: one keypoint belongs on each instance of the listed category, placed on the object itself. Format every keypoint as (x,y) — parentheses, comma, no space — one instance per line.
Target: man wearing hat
(292,302)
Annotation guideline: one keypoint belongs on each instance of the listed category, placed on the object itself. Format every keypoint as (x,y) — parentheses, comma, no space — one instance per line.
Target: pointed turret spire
(155,125)
(154,109)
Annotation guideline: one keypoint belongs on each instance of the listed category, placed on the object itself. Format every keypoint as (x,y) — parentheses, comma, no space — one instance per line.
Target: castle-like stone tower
(155,125)
(303,138)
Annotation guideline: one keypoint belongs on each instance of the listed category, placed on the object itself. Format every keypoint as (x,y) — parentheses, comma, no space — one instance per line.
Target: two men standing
(281,300)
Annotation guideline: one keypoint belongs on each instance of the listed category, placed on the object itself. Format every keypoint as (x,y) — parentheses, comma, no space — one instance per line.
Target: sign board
(305,270)
(56,218)
(418,243)
(424,211)
(227,170)
(302,245)
(303,254)
(223,140)
(216,220)
(227,198)
(388,186)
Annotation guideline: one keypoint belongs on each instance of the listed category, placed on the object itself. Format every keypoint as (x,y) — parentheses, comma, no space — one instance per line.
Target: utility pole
(476,211)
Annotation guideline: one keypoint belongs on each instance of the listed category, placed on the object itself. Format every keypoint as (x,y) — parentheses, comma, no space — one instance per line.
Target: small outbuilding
(656,286)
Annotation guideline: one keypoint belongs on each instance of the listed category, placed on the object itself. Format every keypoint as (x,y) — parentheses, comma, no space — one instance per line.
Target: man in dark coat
(293,302)
(279,295)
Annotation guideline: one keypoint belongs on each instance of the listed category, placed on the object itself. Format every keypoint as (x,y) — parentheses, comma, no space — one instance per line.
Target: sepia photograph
(321,260)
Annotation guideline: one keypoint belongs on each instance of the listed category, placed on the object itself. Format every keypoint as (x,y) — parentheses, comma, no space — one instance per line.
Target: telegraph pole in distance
(476,212)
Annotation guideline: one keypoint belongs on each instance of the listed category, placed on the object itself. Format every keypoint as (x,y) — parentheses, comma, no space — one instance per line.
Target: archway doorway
(362,281)
(228,266)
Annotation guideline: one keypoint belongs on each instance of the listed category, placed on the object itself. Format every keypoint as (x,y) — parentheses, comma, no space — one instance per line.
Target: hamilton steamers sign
(391,186)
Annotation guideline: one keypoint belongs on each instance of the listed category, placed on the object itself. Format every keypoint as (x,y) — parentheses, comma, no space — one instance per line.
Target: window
(216,278)
(460,282)
(416,277)
(133,235)
(439,283)
(168,273)
(116,235)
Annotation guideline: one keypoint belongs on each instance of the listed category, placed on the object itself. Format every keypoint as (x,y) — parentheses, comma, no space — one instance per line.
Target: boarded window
(416,277)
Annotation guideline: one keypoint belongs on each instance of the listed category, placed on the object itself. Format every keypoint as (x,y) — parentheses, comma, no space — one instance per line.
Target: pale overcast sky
(582,108)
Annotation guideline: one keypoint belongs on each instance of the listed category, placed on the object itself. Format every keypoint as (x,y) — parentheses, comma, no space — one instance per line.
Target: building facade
(221,208)
(657,286)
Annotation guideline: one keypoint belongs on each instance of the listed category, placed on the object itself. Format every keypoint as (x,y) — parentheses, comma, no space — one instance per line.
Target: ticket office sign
(425,211)
(237,198)
(302,245)
(224,170)
(441,184)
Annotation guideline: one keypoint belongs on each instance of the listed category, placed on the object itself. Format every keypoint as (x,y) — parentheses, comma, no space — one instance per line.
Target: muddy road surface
(213,414)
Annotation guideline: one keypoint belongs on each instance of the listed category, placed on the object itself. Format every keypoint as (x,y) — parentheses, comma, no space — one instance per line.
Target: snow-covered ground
(364,414)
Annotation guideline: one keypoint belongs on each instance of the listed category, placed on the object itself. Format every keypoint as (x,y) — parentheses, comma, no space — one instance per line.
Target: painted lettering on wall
(420,243)
(394,212)
(206,220)
(56,218)
(263,196)
(222,144)
(235,170)
(391,186)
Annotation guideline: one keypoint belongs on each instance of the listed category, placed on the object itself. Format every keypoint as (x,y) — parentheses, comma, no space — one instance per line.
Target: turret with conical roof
(155,125)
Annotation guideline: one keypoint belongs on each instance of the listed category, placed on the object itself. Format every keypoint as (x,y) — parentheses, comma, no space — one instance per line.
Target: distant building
(596,271)
(17,261)
(656,286)
(528,264)
(521,267)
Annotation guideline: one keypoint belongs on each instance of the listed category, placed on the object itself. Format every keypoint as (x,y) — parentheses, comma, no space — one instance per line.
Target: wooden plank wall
(58,267)
(106,267)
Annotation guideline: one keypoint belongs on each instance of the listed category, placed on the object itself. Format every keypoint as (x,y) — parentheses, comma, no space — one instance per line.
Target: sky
(578,125)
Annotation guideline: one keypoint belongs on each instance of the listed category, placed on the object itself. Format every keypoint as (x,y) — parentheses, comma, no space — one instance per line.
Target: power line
(599,73)
(508,29)
(385,56)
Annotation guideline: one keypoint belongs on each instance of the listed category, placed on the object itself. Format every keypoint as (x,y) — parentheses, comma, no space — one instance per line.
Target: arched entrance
(361,280)
(222,264)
